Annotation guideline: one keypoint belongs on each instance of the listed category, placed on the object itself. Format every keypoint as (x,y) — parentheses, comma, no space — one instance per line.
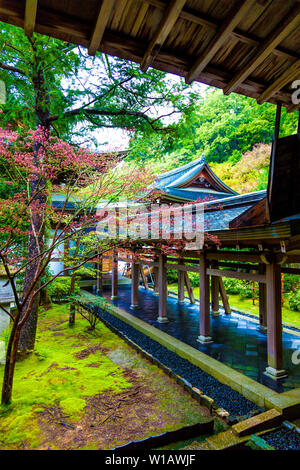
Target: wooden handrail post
(135,276)
(162,286)
(215,292)
(274,319)
(204,336)
(262,292)
(114,276)
(180,284)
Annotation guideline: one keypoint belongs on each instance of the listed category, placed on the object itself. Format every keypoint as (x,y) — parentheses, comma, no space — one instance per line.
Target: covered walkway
(236,339)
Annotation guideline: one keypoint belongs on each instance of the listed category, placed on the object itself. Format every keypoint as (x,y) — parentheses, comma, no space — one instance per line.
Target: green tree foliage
(220,127)
(59,85)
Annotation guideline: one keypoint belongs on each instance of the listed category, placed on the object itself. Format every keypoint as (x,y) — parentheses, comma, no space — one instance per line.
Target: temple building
(250,48)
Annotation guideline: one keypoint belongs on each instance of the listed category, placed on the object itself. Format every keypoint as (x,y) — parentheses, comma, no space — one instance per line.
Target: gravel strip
(227,398)
(283,439)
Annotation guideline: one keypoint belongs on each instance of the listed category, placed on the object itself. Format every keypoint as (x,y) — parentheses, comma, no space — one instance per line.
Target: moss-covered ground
(83,389)
(289,317)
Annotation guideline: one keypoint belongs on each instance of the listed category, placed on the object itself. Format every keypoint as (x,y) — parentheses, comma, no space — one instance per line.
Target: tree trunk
(28,332)
(11,356)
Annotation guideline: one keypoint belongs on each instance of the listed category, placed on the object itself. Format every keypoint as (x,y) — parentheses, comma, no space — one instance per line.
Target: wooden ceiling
(251,47)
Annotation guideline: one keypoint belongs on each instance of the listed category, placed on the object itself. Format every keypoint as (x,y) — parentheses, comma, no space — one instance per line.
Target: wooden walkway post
(215,291)
(114,276)
(181,284)
(204,336)
(162,286)
(135,276)
(224,297)
(275,357)
(262,292)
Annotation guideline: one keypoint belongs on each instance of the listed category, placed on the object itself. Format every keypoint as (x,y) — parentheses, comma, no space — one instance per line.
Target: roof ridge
(183,167)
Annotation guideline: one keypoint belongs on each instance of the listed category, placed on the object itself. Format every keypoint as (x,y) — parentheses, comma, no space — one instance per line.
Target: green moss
(54,375)
(73,406)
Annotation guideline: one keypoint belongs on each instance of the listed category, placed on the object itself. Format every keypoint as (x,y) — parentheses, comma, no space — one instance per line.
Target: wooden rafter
(30,16)
(276,37)
(293,108)
(235,16)
(205,20)
(292,72)
(169,19)
(102,20)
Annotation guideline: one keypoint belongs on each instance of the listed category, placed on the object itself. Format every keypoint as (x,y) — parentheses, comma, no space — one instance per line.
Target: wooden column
(215,292)
(99,280)
(162,288)
(114,276)
(224,297)
(155,280)
(275,360)
(262,292)
(204,336)
(180,284)
(135,268)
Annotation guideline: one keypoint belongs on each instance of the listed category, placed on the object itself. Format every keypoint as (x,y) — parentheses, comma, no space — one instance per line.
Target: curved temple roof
(192,181)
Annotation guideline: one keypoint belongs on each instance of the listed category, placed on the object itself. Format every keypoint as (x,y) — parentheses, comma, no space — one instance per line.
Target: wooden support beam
(274,319)
(204,336)
(114,276)
(262,292)
(234,18)
(264,50)
(144,277)
(224,297)
(237,275)
(162,286)
(215,292)
(290,74)
(186,268)
(30,16)
(244,257)
(206,21)
(169,19)
(155,279)
(140,18)
(189,287)
(292,108)
(101,23)
(180,285)
(135,285)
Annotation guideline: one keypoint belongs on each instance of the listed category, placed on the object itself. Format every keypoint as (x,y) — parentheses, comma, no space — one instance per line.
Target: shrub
(294,301)
(60,288)
(194,279)
(172,276)
(235,286)
(246,289)
(291,283)
(232,286)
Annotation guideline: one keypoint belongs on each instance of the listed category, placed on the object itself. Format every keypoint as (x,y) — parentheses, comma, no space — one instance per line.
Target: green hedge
(60,287)
(235,286)
(294,301)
